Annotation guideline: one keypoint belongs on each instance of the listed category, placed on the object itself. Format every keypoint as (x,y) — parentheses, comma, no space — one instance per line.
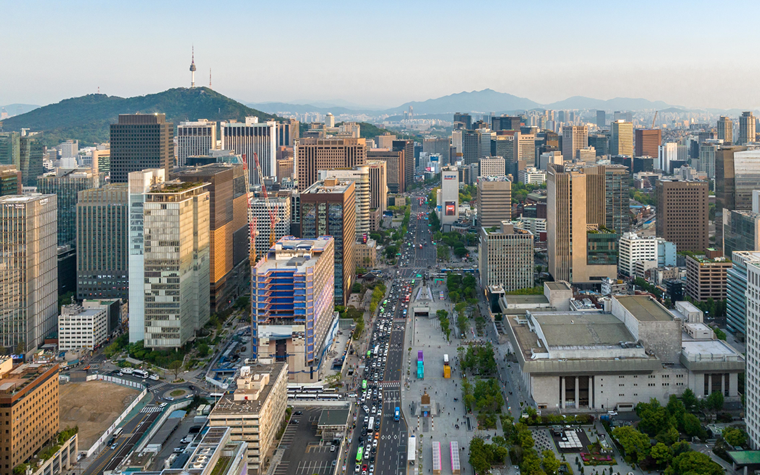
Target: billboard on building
(451,208)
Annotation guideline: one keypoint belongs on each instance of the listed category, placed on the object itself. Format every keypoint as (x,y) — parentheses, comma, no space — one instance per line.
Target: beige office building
(177,262)
(506,257)
(492,166)
(746,128)
(314,154)
(494,200)
(256,409)
(621,140)
(378,185)
(574,138)
(580,247)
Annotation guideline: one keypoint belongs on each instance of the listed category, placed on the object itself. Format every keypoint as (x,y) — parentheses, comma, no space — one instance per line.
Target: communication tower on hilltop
(192,69)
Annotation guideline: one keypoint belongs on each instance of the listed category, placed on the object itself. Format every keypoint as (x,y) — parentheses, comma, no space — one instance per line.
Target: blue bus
(396,414)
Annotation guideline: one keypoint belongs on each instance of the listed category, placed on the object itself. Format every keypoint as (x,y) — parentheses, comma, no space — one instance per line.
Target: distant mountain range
(483,101)
(88,118)
(17,109)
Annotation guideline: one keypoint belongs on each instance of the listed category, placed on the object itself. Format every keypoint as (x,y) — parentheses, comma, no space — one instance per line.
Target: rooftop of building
(334,417)
(703,259)
(329,185)
(489,178)
(644,308)
(204,170)
(707,347)
(175,186)
(563,329)
(558,285)
(293,253)
(228,405)
(14,379)
(526,299)
(25,198)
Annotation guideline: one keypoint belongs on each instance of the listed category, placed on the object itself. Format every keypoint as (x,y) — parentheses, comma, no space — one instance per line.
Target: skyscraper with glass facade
(30,160)
(28,271)
(66,184)
(328,209)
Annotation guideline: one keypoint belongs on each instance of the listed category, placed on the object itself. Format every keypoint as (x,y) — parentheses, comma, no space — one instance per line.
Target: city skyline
(375,57)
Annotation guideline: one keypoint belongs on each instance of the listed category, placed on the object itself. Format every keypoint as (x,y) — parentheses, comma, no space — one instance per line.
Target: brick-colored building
(707,277)
(28,410)
(683,213)
(314,154)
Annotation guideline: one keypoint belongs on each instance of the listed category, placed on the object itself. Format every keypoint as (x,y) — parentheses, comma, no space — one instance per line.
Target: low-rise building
(633,248)
(366,254)
(706,278)
(531,176)
(29,415)
(80,327)
(255,411)
(634,351)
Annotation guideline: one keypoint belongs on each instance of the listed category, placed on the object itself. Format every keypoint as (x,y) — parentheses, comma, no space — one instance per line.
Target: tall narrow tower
(192,69)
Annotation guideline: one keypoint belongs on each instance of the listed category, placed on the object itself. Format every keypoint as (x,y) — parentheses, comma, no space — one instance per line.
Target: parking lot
(304,454)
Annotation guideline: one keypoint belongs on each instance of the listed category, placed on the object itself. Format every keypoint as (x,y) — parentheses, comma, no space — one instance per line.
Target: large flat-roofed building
(506,257)
(394,167)
(255,410)
(683,213)
(706,278)
(29,416)
(574,138)
(494,195)
(292,303)
(614,360)
(249,138)
(80,327)
(229,232)
(634,248)
(28,270)
(102,234)
(314,154)
(195,138)
(139,142)
(328,209)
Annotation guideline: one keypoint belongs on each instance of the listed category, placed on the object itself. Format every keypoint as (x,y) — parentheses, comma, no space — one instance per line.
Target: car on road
(179,450)
(113,446)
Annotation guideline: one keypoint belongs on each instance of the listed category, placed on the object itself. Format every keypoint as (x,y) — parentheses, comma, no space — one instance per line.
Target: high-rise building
(746,128)
(280,208)
(10,148)
(447,198)
(394,167)
(140,142)
(736,290)
(470,146)
(102,232)
(616,197)
(741,230)
(28,270)
(31,154)
(707,152)
(505,122)
(66,184)
(386,140)
(195,138)
(504,146)
(378,185)
(10,180)
(526,149)
(737,174)
(666,154)
(433,145)
(101,161)
(706,277)
(726,130)
(621,140)
(314,154)
(229,232)
(285,168)
(574,138)
(140,184)
(494,200)
(752,400)
(601,119)
(492,166)
(360,176)
(328,208)
(682,213)
(582,248)
(30,418)
(600,142)
(506,257)
(176,298)
(288,131)
(462,121)
(292,303)
(647,142)
(249,138)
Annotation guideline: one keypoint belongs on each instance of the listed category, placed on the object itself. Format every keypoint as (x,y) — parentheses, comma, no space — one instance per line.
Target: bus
(117,433)
(331,396)
(371,425)
(411,450)
(364,384)
(359,454)
(304,396)
(140,373)
(397,414)
(313,389)
(369,353)
(330,390)
(295,387)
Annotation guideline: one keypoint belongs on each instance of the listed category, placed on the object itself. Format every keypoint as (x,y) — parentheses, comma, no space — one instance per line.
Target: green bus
(359,454)
(364,384)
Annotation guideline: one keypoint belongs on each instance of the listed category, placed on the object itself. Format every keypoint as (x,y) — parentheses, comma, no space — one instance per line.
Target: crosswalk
(389,384)
(150,409)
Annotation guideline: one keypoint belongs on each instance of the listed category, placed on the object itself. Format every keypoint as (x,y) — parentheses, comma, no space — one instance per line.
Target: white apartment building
(491,166)
(667,153)
(249,138)
(80,327)
(633,249)
(360,176)
(195,138)
(532,176)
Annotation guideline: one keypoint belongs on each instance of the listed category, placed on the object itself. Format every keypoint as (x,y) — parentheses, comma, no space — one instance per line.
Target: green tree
(692,427)
(669,436)
(660,453)
(675,407)
(203,350)
(635,444)
(551,464)
(654,417)
(715,401)
(356,288)
(693,463)
(689,400)
(175,367)
(734,436)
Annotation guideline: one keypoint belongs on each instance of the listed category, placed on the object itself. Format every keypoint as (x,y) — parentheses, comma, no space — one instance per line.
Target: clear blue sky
(691,53)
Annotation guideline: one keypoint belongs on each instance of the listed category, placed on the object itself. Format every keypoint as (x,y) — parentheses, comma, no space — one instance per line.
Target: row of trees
(443,318)
(479,359)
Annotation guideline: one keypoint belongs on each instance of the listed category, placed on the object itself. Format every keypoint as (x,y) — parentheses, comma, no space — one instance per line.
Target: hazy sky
(690,53)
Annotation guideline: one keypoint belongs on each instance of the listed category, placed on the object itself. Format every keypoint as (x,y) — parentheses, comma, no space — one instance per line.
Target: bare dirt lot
(93,406)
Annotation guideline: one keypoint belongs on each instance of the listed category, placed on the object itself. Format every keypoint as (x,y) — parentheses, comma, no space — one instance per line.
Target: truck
(411,450)
(126,370)
(419,355)
(447,372)
(445,360)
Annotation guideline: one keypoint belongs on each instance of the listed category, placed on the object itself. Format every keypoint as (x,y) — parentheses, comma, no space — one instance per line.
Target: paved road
(109,458)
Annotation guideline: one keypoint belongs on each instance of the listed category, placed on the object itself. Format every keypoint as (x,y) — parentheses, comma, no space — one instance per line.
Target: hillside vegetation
(87,118)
